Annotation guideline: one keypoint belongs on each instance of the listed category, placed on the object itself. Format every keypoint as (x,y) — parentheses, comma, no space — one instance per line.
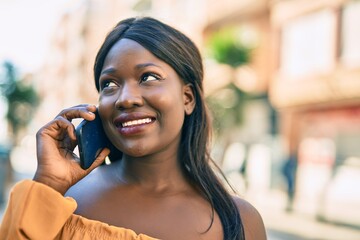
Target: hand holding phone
(91,140)
(55,142)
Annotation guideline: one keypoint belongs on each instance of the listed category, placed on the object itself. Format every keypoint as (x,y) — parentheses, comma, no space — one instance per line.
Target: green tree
(227,46)
(21,99)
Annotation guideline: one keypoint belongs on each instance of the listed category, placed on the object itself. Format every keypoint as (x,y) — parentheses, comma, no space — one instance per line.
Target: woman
(149,77)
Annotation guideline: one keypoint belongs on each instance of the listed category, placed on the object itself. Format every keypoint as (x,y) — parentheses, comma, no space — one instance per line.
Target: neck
(157,174)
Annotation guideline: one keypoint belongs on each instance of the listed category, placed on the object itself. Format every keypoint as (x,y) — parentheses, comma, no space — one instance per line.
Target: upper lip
(126,117)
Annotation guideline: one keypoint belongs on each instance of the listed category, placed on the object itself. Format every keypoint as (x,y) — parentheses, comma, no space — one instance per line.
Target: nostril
(129,102)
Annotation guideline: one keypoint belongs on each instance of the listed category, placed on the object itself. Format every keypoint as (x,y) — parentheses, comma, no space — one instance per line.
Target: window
(307,45)
(350,35)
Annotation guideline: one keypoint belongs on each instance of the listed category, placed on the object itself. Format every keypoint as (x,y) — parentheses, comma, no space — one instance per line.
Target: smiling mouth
(136,122)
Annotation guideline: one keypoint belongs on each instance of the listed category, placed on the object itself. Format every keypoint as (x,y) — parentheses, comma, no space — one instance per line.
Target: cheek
(168,99)
(170,106)
(105,107)
(106,102)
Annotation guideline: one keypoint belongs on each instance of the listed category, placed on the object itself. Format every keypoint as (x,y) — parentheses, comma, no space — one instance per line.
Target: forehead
(126,50)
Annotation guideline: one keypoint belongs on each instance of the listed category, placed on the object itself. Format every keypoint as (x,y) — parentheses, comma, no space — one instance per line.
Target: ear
(189,99)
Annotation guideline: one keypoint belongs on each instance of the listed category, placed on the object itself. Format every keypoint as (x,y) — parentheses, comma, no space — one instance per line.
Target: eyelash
(149,74)
(105,83)
(142,79)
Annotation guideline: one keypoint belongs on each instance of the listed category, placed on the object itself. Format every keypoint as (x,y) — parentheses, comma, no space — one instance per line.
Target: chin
(136,151)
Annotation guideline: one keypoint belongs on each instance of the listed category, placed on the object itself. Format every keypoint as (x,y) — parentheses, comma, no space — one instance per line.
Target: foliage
(227,107)
(226,46)
(21,98)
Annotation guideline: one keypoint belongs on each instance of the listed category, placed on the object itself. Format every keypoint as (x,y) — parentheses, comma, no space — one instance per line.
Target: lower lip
(133,130)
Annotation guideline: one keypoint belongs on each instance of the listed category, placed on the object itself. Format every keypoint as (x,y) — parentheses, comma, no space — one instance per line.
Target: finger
(66,128)
(70,155)
(81,111)
(58,129)
(69,140)
(90,107)
(99,159)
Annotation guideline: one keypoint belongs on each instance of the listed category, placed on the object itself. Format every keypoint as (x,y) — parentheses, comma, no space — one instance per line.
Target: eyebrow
(108,71)
(144,65)
(138,67)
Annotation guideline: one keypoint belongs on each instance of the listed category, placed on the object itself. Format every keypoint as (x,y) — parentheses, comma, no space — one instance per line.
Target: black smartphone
(91,140)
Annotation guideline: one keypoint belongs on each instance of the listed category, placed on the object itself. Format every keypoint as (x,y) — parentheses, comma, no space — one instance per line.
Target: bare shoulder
(251,220)
(91,185)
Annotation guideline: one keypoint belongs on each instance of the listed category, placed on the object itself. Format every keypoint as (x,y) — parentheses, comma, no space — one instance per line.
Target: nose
(130,96)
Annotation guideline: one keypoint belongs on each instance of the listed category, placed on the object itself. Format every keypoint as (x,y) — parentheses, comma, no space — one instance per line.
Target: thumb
(99,159)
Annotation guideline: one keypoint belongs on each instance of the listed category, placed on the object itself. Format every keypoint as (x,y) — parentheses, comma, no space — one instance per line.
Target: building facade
(308,61)
(315,86)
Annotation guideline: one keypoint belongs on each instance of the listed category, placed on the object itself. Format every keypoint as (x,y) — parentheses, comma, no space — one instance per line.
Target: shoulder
(91,184)
(251,219)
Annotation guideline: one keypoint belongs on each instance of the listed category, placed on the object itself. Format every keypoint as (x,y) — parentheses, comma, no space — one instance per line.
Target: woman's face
(142,101)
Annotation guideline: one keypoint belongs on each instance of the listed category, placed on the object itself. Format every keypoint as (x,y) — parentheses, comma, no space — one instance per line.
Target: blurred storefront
(315,86)
(308,61)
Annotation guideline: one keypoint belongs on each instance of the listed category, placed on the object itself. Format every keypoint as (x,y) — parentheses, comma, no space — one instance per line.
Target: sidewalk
(281,225)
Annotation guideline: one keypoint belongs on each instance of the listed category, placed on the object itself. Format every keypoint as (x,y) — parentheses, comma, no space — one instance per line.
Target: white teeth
(136,122)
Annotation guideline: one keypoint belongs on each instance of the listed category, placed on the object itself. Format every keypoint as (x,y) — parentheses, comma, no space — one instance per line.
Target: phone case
(91,140)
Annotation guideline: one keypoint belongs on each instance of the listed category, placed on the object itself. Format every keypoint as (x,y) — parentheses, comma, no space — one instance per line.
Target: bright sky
(25,30)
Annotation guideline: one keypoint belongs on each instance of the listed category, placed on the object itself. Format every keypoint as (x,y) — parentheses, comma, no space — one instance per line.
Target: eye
(108,84)
(149,77)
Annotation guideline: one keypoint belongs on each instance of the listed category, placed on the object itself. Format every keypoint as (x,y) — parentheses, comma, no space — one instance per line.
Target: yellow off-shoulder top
(36,211)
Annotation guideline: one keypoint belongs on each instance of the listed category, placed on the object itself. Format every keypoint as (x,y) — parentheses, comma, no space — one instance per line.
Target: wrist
(53,183)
